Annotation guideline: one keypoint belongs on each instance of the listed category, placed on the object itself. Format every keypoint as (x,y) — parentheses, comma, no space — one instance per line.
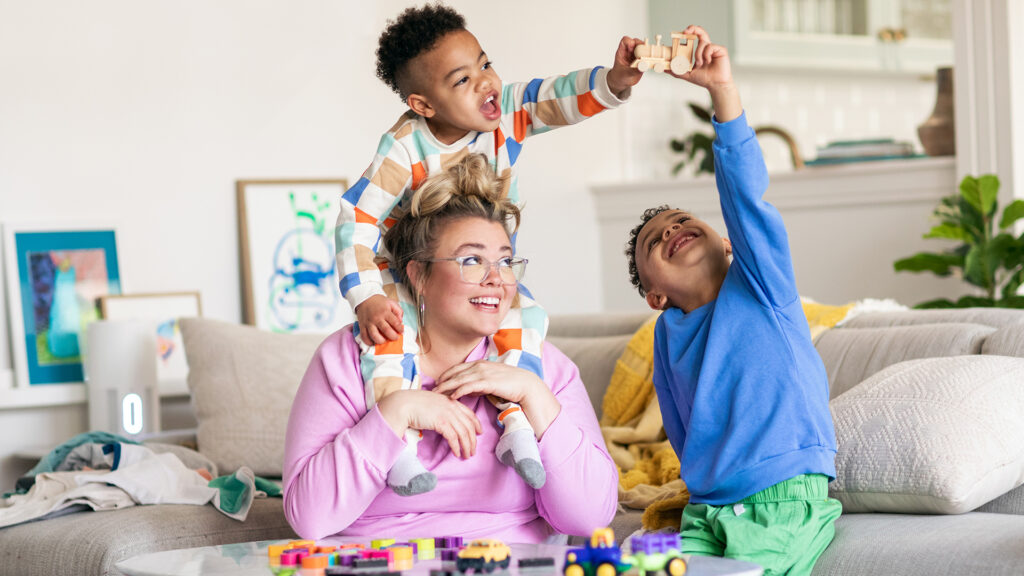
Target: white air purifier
(120,377)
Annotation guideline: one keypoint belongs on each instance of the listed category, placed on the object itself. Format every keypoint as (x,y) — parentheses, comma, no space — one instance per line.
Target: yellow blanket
(632,427)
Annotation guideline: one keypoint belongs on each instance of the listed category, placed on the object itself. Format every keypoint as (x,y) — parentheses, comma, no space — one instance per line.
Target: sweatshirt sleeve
(364,207)
(541,105)
(581,491)
(336,454)
(755,228)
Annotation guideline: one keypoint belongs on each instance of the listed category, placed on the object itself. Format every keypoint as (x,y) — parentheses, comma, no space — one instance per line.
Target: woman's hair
(468,189)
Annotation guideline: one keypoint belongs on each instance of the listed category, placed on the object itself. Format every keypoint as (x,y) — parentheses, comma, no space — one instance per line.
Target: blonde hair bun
(472,177)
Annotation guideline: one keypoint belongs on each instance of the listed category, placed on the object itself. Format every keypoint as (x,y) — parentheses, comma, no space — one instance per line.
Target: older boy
(744,394)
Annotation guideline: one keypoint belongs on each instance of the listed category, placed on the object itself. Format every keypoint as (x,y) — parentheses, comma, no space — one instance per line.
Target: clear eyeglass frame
(510,269)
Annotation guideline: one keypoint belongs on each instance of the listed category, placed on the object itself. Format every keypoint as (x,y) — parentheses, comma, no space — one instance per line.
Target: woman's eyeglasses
(474,269)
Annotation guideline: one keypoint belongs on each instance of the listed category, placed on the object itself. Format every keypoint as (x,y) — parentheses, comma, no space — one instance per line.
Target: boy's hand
(712,70)
(623,75)
(380,320)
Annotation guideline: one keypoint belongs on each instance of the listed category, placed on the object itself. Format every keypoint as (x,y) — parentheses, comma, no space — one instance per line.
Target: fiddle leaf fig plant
(987,256)
(696,143)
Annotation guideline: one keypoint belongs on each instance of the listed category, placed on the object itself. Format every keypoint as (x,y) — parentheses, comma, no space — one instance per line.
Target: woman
(453,251)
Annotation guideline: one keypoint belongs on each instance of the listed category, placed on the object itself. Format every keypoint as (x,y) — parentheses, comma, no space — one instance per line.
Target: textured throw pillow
(937,435)
(243,381)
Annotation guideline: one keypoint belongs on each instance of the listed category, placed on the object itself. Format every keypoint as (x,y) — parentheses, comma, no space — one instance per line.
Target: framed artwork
(286,236)
(162,311)
(55,277)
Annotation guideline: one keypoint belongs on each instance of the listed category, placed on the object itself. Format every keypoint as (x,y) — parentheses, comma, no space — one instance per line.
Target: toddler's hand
(623,75)
(711,66)
(380,320)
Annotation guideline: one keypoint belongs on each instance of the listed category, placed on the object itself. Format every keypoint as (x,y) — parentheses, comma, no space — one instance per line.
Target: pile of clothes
(102,471)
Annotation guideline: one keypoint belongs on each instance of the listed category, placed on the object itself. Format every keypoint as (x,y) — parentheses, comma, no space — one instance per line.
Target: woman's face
(458,310)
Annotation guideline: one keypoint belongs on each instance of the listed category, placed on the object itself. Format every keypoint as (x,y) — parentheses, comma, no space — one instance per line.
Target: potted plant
(988,255)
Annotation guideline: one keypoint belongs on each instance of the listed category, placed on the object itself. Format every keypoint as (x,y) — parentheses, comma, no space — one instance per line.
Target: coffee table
(250,559)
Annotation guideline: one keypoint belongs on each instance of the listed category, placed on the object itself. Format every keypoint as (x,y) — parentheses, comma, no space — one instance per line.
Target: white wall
(145,113)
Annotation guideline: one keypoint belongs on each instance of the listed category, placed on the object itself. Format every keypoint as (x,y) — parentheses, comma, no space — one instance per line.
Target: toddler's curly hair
(413,32)
(634,273)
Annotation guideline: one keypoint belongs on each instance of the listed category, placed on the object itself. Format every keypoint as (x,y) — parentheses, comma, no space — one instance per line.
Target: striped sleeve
(541,105)
(364,207)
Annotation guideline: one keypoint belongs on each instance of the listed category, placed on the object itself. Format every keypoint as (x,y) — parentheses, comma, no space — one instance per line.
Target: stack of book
(842,151)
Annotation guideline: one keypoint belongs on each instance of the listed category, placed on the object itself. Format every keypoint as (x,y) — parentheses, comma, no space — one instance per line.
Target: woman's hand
(428,410)
(510,383)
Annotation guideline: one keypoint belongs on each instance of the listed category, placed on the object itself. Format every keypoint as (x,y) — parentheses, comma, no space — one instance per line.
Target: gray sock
(408,477)
(520,451)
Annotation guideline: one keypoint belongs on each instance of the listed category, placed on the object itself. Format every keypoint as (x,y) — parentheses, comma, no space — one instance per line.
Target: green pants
(784,527)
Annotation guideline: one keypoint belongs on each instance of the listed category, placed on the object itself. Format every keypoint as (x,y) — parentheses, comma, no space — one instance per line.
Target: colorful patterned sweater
(409,152)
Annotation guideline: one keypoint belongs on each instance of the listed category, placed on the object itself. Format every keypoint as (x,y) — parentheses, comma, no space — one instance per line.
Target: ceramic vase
(937,134)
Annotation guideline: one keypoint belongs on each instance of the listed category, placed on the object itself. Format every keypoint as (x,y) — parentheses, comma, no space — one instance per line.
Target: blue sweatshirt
(743,393)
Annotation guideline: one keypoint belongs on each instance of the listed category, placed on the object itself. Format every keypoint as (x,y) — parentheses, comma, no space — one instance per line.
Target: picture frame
(286,240)
(55,275)
(162,310)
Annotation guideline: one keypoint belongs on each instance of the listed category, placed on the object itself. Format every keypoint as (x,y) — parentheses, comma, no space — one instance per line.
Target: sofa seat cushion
(994,317)
(243,381)
(975,544)
(92,542)
(939,435)
(851,355)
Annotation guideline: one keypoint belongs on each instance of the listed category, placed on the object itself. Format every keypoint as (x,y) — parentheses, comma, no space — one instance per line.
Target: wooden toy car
(678,57)
(483,555)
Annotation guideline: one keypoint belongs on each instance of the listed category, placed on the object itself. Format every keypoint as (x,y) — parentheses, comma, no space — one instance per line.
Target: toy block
(539,562)
(424,548)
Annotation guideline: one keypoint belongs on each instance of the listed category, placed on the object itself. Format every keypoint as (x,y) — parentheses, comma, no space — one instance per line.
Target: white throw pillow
(936,435)
(243,381)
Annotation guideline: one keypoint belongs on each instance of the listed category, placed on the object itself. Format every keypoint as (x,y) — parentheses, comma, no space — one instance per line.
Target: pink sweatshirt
(337,456)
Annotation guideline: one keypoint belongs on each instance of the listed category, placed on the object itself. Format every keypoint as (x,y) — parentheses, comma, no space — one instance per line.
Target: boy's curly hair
(413,32)
(634,273)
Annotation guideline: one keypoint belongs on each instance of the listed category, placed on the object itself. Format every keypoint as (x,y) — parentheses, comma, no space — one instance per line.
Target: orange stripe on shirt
(419,173)
(522,124)
(588,105)
(364,218)
(508,339)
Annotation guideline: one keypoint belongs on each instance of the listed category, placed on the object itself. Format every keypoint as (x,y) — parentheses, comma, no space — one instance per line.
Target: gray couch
(987,540)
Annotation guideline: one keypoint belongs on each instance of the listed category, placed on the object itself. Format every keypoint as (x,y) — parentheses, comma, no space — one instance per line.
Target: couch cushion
(243,381)
(995,317)
(59,545)
(595,357)
(1008,341)
(1010,503)
(939,435)
(975,544)
(853,354)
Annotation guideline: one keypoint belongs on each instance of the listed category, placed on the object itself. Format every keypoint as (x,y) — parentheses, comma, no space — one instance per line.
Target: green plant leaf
(970,192)
(1014,211)
(937,303)
(975,271)
(1012,284)
(677,168)
(701,112)
(975,302)
(938,264)
(949,230)
(988,192)
(708,163)
(1011,302)
(677,145)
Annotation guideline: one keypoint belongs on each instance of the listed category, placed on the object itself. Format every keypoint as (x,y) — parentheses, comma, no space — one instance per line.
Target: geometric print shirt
(409,152)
